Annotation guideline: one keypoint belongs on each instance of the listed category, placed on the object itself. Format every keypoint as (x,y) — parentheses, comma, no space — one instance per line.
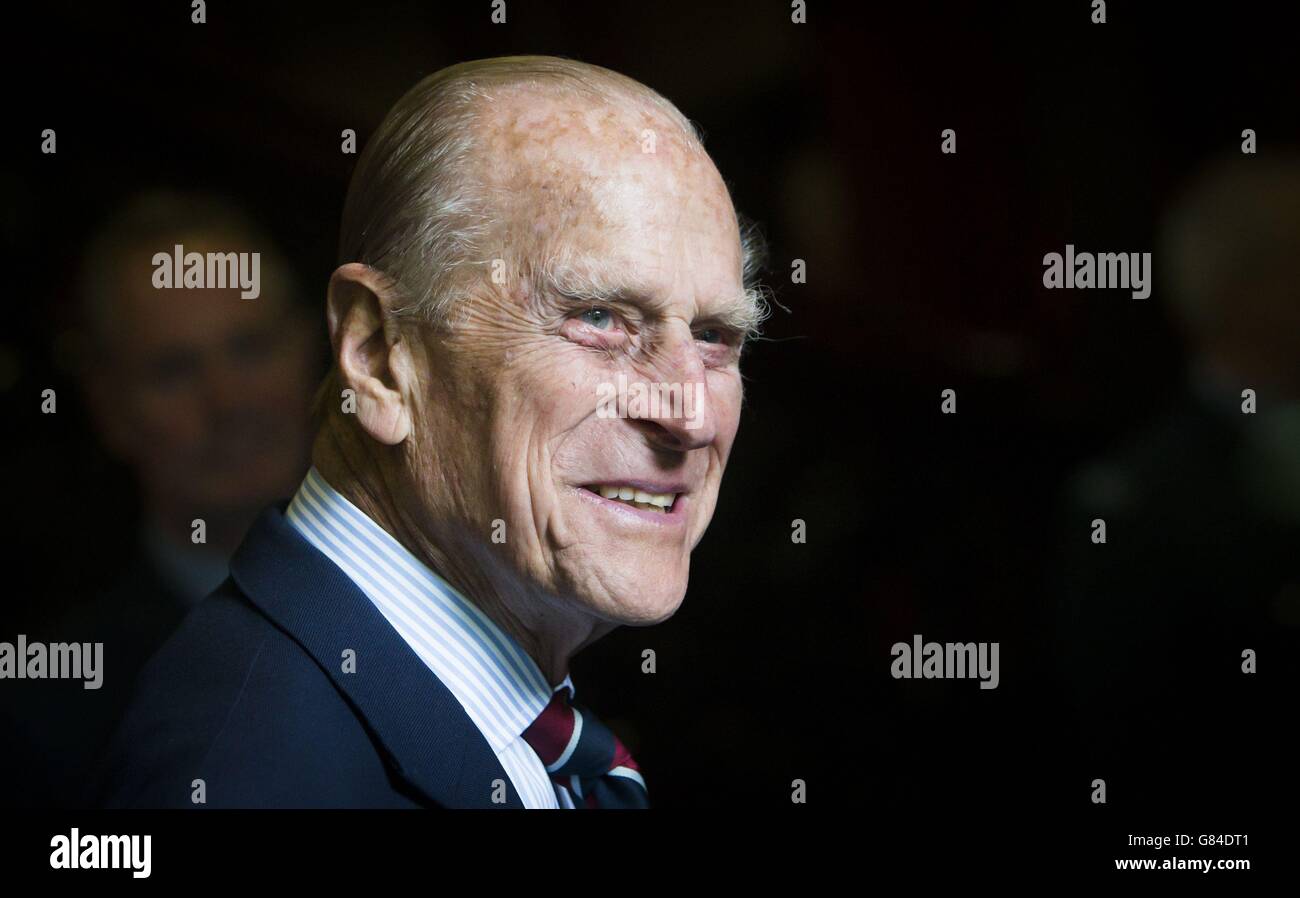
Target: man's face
(206,393)
(518,413)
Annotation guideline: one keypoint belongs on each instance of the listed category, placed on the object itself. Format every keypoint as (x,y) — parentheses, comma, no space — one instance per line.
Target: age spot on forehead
(559,164)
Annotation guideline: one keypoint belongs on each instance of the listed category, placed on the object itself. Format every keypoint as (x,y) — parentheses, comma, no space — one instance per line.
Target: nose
(677,415)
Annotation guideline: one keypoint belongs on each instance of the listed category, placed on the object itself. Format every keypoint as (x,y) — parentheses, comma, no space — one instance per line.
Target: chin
(639,609)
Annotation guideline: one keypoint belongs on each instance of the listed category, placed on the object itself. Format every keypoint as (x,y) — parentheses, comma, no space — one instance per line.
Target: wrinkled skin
(496,417)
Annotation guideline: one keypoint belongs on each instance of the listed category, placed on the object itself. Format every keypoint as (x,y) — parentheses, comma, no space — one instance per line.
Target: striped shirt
(500,687)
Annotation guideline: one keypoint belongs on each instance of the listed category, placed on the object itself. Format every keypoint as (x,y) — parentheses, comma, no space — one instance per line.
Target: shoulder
(229,708)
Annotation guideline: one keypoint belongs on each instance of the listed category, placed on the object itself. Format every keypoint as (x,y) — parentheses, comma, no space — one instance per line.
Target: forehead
(618,180)
(533,124)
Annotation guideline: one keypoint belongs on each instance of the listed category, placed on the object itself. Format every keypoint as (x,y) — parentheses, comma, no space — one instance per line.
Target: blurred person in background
(1202,509)
(204,395)
(201,392)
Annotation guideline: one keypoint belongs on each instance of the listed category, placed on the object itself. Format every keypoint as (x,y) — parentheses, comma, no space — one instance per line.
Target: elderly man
(519,234)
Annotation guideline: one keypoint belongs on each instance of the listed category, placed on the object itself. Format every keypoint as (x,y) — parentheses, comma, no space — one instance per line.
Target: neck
(550,629)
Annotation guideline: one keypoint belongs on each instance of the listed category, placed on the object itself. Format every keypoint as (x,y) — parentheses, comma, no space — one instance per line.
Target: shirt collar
(501,688)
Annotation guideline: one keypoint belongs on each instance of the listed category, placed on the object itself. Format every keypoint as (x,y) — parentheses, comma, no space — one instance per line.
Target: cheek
(727,396)
(556,398)
(580,447)
(526,433)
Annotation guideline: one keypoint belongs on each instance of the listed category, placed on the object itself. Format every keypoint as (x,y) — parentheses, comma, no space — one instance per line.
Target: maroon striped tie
(583,755)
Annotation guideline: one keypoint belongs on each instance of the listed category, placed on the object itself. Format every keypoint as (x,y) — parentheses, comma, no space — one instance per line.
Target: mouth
(655,501)
(636,497)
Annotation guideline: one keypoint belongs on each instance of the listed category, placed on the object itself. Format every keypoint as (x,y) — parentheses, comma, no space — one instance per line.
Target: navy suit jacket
(250,696)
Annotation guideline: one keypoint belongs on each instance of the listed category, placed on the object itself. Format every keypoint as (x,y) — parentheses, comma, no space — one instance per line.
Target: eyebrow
(595,283)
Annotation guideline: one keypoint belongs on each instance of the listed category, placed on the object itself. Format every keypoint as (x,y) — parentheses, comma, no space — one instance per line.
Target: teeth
(660,502)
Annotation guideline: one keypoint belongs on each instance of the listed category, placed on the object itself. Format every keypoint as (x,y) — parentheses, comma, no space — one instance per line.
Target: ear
(371,356)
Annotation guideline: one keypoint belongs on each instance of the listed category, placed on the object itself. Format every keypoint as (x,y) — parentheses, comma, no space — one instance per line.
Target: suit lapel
(429,739)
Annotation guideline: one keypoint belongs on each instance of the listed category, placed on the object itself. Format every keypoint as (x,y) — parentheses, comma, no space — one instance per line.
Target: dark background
(924,274)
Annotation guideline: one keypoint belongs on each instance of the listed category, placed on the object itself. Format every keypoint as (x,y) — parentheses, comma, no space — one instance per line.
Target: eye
(601,319)
(710,335)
